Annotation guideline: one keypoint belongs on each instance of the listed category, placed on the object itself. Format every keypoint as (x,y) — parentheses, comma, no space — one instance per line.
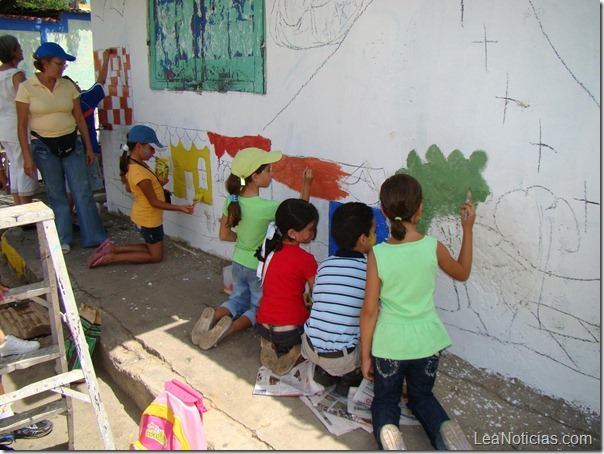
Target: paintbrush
(468,200)
(198,196)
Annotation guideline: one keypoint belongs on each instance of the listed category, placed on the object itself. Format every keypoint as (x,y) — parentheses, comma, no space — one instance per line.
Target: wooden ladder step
(29,213)
(29,417)
(55,383)
(42,355)
(26,292)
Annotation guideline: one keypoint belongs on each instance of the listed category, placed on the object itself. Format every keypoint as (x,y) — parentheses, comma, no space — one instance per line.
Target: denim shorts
(151,235)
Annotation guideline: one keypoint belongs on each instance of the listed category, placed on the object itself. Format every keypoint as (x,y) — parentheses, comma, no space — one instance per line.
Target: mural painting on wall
(381,227)
(116,108)
(232,145)
(445,182)
(187,161)
(518,276)
(328,176)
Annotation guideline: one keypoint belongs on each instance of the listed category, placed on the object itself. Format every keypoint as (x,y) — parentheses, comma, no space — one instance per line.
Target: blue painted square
(381,226)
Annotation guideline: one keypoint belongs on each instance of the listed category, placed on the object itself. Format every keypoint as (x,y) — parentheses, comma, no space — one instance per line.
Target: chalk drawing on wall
(559,57)
(507,99)
(305,25)
(541,147)
(101,7)
(445,182)
(485,42)
(565,331)
(586,204)
(366,178)
(116,107)
(525,300)
(300,26)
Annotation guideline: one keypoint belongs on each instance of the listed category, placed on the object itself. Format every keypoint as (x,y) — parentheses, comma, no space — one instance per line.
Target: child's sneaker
(453,436)
(268,353)
(37,430)
(15,346)
(391,438)
(286,362)
(203,324)
(216,334)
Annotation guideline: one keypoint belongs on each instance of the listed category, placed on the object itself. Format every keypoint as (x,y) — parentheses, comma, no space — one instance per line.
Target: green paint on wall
(445,182)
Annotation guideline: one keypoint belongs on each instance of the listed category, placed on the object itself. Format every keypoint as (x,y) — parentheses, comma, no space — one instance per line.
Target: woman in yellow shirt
(148,207)
(48,107)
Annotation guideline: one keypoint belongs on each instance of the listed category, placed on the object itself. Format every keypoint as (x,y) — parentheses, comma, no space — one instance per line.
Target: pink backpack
(173,421)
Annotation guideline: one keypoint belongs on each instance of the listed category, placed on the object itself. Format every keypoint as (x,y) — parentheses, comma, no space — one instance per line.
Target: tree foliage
(446,181)
(29,6)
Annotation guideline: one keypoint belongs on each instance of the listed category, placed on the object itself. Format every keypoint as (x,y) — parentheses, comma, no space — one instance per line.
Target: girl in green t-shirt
(402,340)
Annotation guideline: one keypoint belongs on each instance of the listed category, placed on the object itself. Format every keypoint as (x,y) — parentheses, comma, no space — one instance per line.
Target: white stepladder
(56,280)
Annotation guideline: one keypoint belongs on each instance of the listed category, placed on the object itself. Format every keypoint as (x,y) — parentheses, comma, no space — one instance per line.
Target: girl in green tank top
(402,340)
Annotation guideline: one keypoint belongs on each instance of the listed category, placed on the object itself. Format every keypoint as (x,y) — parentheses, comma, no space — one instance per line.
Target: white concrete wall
(362,83)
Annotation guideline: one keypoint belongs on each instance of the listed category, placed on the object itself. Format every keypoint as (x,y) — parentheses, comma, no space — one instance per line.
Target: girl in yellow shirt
(148,207)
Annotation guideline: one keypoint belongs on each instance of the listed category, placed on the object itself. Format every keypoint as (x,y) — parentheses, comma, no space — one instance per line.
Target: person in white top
(23,187)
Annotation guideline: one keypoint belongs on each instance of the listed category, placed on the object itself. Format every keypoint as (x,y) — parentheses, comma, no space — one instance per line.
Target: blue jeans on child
(420,374)
(54,171)
(246,294)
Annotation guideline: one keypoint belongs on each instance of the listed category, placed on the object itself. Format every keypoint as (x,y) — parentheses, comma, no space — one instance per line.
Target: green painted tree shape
(445,182)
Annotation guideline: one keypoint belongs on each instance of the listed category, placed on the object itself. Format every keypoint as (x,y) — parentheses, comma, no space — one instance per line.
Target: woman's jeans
(246,294)
(54,171)
(420,374)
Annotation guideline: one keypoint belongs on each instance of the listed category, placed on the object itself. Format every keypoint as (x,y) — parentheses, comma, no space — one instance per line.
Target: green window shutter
(211,45)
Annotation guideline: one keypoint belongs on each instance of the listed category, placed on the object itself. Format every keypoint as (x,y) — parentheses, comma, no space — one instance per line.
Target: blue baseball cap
(144,134)
(52,50)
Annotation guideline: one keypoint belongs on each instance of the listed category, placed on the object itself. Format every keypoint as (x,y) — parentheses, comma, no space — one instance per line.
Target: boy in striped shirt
(331,333)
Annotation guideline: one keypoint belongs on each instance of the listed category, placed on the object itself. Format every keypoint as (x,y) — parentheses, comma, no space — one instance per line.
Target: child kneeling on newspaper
(286,270)
(331,334)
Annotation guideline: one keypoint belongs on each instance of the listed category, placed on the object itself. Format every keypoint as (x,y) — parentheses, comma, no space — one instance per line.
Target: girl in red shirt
(286,270)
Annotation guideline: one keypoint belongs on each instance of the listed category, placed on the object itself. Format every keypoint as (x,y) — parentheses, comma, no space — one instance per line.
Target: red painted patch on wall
(327,176)
(231,145)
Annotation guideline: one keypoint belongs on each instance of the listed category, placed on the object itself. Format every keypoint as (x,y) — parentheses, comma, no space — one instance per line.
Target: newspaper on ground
(360,405)
(330,408)
(297,382)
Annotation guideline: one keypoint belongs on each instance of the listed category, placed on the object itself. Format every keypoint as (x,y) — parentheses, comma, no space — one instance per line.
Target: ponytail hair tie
(398,218)
(124,147)
(233,198)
